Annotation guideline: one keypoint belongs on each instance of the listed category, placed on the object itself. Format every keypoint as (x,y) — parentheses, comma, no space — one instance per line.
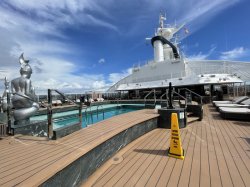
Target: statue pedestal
(164,120)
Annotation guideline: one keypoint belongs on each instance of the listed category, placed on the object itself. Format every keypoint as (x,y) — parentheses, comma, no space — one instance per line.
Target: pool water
(92,118)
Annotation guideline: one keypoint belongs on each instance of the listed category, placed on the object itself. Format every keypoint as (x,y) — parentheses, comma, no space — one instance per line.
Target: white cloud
(97,85)
(115,77)
(38,33)
(100,22)
(101,61)
(235,53)
(37,29)
(200,55)
(198,12)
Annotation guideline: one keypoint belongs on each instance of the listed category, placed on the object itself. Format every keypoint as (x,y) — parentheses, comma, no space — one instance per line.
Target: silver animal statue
(4,96)
(24,100)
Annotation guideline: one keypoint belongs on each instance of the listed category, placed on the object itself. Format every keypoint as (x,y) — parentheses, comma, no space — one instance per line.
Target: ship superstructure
(169,65)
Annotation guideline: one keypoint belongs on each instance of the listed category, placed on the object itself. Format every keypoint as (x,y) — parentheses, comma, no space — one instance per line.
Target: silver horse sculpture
(24,100)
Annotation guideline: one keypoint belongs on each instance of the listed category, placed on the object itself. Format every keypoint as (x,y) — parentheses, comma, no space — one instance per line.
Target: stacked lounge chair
(234,101)
(242,104)
(235,113)
(238,109)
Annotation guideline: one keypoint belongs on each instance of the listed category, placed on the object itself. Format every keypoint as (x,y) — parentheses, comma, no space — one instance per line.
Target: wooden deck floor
(31,161)
(217,154)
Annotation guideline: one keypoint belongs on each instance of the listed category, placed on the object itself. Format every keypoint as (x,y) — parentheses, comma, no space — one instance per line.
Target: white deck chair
(243,104)
(235,113)
(234,101)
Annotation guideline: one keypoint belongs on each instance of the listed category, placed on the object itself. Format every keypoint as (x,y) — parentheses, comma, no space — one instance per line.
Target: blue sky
(80,45)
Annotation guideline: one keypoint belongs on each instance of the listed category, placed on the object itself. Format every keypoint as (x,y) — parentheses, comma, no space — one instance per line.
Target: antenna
(161,20)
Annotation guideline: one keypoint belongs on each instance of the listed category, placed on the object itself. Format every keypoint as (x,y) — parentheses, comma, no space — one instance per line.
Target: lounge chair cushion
(240,99)
(235,110)
(236,101)
(235,113)
(244,104)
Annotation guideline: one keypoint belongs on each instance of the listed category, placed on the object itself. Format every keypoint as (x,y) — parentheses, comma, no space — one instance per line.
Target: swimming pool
(90,115)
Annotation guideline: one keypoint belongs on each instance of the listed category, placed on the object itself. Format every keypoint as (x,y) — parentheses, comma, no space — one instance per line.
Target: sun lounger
(234,101)
(243,104)
(235,113)
(58,102)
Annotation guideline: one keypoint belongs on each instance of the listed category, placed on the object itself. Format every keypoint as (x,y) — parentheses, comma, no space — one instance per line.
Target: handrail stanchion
(97,111)
(49,114)
(80,113)
(170,90)
(8,114)
(154,97)
(86,115)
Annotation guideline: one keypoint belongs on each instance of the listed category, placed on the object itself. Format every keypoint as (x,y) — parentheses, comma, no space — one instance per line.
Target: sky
(82,45)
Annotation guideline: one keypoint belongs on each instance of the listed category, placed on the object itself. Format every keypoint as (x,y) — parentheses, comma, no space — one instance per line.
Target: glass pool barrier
(90,116)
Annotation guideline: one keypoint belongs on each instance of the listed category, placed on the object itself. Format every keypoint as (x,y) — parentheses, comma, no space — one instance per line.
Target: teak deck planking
(217,153)
(29,162)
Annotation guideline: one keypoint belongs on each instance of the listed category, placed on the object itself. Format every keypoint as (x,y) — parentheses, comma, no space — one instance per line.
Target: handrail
(193,93)
(50,112)
(97,111)
(181,97)
(86,116)
(63,95)
(117,102)
(162,96)
(147,95)
(145,98)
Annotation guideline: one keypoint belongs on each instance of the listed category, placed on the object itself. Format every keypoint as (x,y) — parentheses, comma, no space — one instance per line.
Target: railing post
(49,114)
(245,88)
(154,97)
(80,113)
(170,90)
(8,114)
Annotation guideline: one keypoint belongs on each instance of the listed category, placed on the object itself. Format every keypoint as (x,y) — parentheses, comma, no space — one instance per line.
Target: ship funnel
(158,51)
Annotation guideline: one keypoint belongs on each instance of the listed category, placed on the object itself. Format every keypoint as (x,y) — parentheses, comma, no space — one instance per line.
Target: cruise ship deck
(217,153)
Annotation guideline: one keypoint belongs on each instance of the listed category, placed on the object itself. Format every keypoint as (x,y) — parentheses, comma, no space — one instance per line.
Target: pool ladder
(148,103)
(97,111)
(91,114)
(86,115)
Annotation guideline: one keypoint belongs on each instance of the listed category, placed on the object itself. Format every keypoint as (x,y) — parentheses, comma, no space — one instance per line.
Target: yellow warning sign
(175,149)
